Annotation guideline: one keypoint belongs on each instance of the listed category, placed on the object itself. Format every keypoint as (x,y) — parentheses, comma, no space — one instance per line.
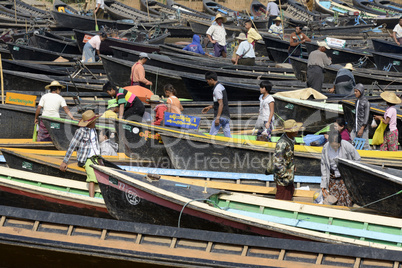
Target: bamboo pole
(2,81)
(252,21)
(15,11)
(281,14)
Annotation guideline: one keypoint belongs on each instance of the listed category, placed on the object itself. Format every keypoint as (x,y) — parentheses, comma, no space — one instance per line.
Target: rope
(181,212)
(379,200)
(292,53)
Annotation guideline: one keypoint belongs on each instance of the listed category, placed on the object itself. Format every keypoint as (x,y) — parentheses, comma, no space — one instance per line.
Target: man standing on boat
(221,106)
(88,53)
(317,60)
(99,9)
(283,162)
(297,38)
(397,32)
(272,12)
(245,52)
(360,129)
(216,34)
(137,76)
(51,103)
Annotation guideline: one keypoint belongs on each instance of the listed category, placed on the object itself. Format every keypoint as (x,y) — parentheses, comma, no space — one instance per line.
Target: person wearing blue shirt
(195,46)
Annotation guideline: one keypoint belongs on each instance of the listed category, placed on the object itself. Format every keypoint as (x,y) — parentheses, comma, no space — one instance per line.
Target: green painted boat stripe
(72,122)
(338,230)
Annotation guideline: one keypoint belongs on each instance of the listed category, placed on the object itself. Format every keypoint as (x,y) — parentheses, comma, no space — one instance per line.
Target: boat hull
(389,61)
(17,121)
(386,46)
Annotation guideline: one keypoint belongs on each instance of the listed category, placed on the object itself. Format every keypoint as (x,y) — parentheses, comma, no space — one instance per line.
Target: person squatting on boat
(107,147)
(362,114)
(88,52)
(252,35)
(137,76)
(173,103)
(216,34)
(220,106)
(51,103)
(283,160)
(276,28)
(397,32)
(345,81)
(195,46)
(265,120)
(391,132)
(297,38)
(245,52)
(130,106)
(317,60)
(86,139)
(331,180)
(272,12)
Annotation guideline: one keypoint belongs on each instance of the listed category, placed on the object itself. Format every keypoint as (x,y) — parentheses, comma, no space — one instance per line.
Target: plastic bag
(378,137)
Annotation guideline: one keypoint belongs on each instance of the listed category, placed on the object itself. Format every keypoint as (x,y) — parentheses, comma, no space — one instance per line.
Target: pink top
(391,113)
(95,42)
(345,135)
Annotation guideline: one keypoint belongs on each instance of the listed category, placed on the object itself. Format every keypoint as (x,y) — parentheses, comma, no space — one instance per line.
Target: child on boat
(265,120)
(159,108)
(107,147)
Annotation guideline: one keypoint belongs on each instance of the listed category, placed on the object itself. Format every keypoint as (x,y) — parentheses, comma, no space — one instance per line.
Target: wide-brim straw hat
(219,15)
(54,84)
(278,19)
(390,97)
(87,118)
(271,1)
(241,36)
(349,66)
(155,99)
(292,126)
(323,44)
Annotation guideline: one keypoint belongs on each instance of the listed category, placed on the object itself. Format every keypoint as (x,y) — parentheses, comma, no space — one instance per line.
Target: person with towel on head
(345,81)
(272,12)
(137,76)
(216,34)
(88,52)
(86,140)
(283,160)
(391,133)
(317,60)
(362,114)
(51,103)
(276,28)
(245,52)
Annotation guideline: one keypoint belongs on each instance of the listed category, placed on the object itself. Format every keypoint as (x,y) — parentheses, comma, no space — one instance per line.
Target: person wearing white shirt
(245,52)
(397,32)
(276,29)
(216,34)
(51,103)
(272,12)
(100,9)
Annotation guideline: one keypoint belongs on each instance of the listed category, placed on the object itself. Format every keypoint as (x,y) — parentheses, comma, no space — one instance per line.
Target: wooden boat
(364,76)
(20,81)
(33,12)
(127,195)
(10,114)
(297,14)
(386,46)
(344,55)
(282,55)
(22,189)
(22,52)
(347,30)
(26,143)
(342,8)
(360,178)
(171,10)
(109,41)
(374,8)
(257,9)
(201,27)
(166,63)
(20,66)
(56,45)
(119,11)
(107,240)
(389,4)
(181,9)
(388,61)
(214,8)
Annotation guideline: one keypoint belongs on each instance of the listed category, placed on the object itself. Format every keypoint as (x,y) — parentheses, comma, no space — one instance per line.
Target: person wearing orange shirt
(137,76)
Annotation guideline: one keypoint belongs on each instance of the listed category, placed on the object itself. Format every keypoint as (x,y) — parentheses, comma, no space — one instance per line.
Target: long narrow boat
(34,12)
(128,195)
(10,114)
(56,45)
(389,4)
(201,27)
(86,241)
(22,52)
(186,10)
(81,36)
(344,55)
(26,143)
(172,10)
(373,186)
(119,11)
(342,8)
(22,189)
(374,8)
(21,66)
(386,46)
(388,61)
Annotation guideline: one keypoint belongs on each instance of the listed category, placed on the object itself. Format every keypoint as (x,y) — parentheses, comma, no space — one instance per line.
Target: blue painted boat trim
(217,175)
(2,159)
(322,227)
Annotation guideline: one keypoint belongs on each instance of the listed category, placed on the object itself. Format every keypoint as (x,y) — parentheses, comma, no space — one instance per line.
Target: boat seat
(359,143)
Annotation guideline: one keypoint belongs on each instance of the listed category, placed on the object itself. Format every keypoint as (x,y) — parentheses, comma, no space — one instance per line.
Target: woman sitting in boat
(195,46)
(391,133)
(88,53)
(331,180)
(340,126)
(265,120)
(173,103)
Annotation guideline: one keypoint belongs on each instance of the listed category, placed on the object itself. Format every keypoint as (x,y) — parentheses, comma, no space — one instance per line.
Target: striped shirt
(82,140)
(125,97)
